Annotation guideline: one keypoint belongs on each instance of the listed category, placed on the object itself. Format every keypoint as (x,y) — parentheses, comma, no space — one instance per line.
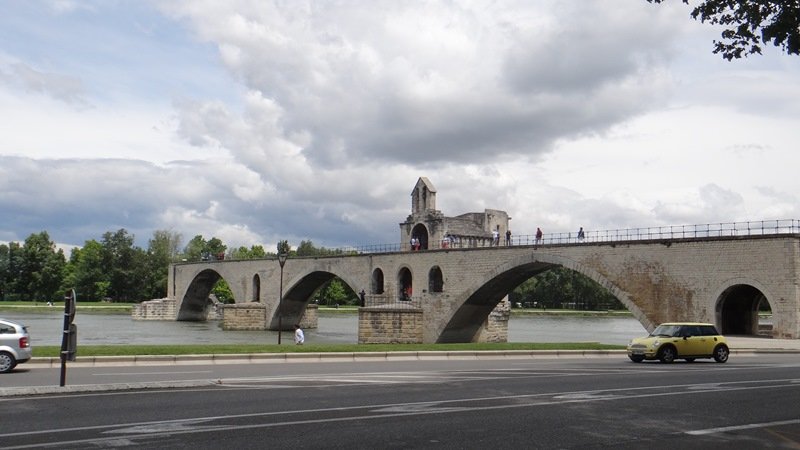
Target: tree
(750,23)
(560,286)
(164,245)
(41,268)
(10,266)
(200,249)
(161,250)
(194,249)
(87,270)
(222,291)
(255,252)
(283,247)
(306,248)
(53,275)
(216,248)
(120,258)
(5,263)
(336,292)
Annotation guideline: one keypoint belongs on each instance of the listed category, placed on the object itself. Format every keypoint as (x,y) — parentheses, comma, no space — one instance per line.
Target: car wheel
(667,354)
(636,358)
(689,359)
(721,353)
(7,362)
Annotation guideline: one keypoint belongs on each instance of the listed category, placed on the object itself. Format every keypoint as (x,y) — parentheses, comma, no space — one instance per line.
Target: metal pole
(280,309)
(69,315)
(281,260)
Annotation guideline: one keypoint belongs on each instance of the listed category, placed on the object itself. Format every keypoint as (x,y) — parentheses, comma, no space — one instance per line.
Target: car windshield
(666,330)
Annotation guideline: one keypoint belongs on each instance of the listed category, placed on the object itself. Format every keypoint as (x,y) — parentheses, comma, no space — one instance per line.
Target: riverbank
(230,349)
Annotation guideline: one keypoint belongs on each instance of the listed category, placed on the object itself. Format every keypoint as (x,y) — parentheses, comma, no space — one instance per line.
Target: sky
(255,121)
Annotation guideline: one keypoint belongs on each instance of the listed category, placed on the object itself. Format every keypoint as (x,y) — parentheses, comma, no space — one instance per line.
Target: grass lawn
(90,307)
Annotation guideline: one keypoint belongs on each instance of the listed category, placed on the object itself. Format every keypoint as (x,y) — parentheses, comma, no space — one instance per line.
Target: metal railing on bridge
(377,300)
(722,229)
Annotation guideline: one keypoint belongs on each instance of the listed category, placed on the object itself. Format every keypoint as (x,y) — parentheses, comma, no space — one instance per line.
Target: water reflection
(113,329)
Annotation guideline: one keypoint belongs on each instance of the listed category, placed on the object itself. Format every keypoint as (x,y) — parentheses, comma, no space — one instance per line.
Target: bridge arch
(298,293)
(435,280)
(420,232)
(405,282)
(376,283)
(256,288)
(194,306)
(484,295)
(737,306)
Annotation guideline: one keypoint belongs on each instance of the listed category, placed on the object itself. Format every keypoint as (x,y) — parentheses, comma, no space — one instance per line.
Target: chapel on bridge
(433,230)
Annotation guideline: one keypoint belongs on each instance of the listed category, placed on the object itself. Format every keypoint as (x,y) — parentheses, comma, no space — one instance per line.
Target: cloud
(67,6)
(430,83)
(256,121)
(64,88)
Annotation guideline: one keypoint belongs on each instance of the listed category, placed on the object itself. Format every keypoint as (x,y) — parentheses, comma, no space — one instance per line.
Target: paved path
(738,344)
(755,343)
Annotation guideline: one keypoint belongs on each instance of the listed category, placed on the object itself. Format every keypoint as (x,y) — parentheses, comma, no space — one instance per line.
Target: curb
(247,358)
(88,388)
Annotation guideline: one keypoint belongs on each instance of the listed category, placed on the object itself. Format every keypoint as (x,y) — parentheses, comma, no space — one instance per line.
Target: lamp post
(281,260)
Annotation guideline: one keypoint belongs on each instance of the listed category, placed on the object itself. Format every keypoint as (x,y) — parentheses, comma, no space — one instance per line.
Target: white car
(15,345)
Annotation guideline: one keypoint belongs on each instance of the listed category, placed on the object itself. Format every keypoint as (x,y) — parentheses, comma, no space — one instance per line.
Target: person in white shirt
(299,337)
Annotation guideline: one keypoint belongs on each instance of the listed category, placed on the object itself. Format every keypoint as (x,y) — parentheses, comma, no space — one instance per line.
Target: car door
(683,342)
(701,344)
(707,341)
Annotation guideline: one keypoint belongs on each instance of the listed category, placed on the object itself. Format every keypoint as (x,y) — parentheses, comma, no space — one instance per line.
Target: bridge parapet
(659,233)
(378,300)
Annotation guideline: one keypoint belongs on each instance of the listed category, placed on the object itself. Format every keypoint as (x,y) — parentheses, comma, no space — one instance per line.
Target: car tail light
(23,342)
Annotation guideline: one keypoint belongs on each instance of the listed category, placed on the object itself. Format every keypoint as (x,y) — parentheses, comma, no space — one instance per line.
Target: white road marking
(114,374)
(749,426)
(402,409)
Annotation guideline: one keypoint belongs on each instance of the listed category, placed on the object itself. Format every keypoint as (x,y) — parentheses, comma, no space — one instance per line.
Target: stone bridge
(721,280)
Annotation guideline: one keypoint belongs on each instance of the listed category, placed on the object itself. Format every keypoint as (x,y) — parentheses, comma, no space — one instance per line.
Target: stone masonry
(160,309)
(390,324)
(657,280)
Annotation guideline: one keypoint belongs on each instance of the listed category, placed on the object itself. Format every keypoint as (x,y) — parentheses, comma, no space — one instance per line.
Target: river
(116,329)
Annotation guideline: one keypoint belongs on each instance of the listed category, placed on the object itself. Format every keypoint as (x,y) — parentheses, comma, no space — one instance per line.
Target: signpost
(69,340)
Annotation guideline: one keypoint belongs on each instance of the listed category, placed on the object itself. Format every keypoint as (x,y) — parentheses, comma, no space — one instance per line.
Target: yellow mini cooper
(671,341)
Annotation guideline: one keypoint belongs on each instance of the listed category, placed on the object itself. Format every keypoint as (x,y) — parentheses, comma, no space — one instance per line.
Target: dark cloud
(78,200)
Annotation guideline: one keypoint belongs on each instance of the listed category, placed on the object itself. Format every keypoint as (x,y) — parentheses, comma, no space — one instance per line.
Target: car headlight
(656,343)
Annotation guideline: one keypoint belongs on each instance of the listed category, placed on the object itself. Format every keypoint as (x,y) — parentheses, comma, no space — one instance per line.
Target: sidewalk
(738,345)
(757,343)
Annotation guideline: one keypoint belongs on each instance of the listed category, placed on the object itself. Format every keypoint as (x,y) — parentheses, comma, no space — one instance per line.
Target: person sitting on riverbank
(299,337)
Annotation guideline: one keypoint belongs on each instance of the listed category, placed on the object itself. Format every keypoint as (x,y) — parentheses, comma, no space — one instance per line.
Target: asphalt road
(750,402)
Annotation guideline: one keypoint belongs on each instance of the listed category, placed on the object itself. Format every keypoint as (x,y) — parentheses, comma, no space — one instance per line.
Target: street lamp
(281,260)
